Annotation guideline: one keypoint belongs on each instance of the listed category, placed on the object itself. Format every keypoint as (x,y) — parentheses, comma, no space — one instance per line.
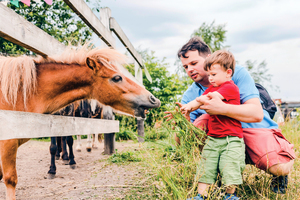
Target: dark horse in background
(58,145)
(46,85)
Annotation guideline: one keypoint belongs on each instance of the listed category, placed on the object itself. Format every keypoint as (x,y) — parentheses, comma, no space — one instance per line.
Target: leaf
(147,74)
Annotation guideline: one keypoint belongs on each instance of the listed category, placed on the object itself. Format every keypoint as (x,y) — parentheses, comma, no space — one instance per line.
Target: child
(224,151)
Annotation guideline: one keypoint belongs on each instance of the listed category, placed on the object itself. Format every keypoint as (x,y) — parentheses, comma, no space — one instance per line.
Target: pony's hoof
(57,157)
(73,166)
(89,149)
(65,162)
(51,176)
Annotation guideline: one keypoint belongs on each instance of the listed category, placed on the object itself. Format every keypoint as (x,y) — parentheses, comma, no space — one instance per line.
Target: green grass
(124,157)
(173,167)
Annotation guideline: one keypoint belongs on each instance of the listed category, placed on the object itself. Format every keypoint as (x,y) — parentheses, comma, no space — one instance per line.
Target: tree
(213,36)
(58,20)
(167,87)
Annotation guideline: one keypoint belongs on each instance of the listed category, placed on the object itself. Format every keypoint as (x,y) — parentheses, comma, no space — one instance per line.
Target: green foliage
(128,127)
(123,157)
(165,86)
(213,36)
(260,73)
(155,134)
(58,20)
(175,166)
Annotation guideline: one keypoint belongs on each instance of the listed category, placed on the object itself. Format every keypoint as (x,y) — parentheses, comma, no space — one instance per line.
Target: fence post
(140,121)
(109,138)
(105,14)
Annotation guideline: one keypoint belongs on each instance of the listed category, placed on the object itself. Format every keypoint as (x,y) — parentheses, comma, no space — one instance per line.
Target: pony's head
(111,87)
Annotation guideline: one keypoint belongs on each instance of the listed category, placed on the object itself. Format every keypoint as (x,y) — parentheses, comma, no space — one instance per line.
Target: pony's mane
(110,58)
(18,74)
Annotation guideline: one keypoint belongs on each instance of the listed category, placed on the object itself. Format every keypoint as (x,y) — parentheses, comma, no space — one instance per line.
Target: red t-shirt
(220,125)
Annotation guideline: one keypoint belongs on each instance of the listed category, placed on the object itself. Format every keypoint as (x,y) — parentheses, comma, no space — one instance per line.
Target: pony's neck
(60,84)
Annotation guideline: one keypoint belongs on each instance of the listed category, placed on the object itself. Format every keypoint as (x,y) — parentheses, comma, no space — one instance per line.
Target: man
(258,128)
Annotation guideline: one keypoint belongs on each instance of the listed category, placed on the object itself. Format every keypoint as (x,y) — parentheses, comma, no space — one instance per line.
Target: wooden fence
(16,29)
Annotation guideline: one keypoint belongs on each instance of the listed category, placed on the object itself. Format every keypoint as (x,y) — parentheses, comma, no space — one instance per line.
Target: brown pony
(45,85)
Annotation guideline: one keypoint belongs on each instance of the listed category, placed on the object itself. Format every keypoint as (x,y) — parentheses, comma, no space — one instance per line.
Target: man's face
(194,67)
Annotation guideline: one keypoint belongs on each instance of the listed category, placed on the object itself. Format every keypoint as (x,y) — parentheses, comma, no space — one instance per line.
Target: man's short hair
(221,57)
(194,44)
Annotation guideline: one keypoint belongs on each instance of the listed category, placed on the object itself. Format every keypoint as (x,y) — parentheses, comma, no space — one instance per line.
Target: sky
(257,30)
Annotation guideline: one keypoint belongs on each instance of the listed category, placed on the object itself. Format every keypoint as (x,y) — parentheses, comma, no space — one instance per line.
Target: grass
(173,167)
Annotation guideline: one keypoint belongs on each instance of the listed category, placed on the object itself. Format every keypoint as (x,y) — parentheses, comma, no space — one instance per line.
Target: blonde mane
(18,74)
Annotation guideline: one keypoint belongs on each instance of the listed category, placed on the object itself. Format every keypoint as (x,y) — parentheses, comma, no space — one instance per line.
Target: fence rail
(16,29)
(21,125)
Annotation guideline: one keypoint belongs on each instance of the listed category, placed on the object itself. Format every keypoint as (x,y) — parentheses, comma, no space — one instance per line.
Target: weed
(123,157)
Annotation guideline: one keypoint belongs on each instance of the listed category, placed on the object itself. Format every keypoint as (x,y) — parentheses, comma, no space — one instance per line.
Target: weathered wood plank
(15,124)
(114,26)
(16,29)
(87,15)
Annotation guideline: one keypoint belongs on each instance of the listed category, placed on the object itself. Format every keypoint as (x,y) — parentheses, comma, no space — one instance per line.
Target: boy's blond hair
(221,57)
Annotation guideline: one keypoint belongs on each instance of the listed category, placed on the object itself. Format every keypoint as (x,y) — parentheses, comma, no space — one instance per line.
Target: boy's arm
(203,98)
(191,106)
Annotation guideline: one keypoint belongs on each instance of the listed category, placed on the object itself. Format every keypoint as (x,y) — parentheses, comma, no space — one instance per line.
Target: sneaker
(198,197)
(279,184)
(231,197)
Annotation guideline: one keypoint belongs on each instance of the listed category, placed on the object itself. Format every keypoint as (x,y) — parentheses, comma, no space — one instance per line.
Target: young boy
(224,151)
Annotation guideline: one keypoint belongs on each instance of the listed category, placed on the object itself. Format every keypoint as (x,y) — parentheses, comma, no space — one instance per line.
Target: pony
(47,84)
(89,109)
(59,144)
(84,108)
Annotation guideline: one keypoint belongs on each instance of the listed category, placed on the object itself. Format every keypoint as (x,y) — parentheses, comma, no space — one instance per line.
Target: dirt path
(93,178)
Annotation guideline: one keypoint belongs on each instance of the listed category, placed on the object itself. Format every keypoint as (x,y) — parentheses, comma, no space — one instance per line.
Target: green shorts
(224,155)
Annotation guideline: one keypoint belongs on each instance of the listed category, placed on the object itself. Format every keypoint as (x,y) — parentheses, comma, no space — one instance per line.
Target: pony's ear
(91,63)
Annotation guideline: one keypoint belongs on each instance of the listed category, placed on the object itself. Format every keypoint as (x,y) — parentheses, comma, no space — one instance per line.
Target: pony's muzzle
(154,100)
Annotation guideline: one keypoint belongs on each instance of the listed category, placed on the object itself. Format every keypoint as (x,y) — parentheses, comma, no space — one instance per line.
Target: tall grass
(175,166)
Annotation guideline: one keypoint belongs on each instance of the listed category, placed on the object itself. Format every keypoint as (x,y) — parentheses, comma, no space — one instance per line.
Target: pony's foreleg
(1,173)
(53,150)
(78,146)
(59,149)
(89,143)
(64,155)
(8,154)
(70,142)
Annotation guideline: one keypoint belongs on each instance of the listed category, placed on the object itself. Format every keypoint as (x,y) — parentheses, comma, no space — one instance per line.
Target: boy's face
(194,67)
(217,75)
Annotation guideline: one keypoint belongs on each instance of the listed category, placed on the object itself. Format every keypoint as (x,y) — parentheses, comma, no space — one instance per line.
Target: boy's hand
(186,109)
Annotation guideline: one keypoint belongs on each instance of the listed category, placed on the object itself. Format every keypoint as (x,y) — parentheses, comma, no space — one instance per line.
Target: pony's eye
(117,79)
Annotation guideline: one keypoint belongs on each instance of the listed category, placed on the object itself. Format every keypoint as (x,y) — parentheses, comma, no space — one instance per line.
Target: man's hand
(214,106)
(248,112)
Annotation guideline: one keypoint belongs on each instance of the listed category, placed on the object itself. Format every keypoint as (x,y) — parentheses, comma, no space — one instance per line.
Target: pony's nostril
(152,99)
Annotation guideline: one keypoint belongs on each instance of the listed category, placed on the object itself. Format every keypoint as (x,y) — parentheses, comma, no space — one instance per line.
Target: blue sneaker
(198,197)
(231,197)
(279,184)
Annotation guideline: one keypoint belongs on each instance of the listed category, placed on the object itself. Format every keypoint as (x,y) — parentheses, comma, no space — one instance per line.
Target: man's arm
(249,112)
